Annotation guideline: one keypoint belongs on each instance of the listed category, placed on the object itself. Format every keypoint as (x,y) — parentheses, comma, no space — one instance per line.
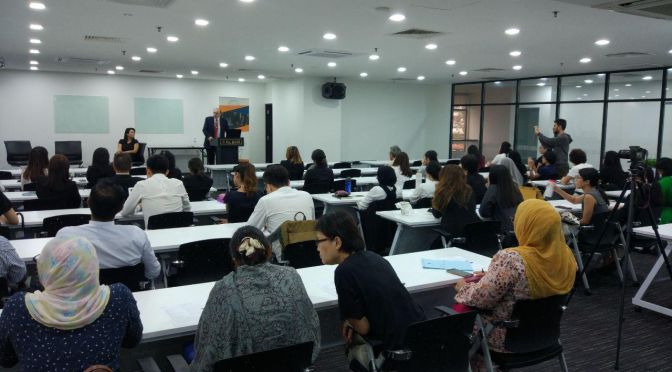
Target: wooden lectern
(227,149)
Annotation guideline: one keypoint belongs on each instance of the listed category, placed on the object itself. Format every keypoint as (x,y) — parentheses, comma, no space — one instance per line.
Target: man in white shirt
(578,158)
(116,245)
(426,190)
(280,204)
(157,194)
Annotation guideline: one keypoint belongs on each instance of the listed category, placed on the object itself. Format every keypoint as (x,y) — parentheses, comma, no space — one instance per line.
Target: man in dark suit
(214,127)
(122,167)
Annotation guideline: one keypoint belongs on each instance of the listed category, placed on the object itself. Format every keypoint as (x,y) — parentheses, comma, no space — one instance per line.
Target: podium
(227,149)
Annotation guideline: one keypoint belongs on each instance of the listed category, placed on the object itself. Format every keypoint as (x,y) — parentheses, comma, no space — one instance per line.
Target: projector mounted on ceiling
(661,9)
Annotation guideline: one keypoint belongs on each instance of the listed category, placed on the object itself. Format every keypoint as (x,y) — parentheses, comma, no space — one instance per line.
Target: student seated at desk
(593,200)
(402,169)
(319,177)
(371,299)
(578,159)
(454,200)
(473,150)
(504,149)
(56,189)
(385,190)
(664,169)
(100,167)
(240,202)
(612,175)
(173,171)
(501,199)
(426,190)
(541,266)
(12,267)
(116,245)
(157,194)
(122,167)
(257,307)
(547,170)
(196,182)
(38,162)
(293,164)
(74,322)
(7,213)
(477,183)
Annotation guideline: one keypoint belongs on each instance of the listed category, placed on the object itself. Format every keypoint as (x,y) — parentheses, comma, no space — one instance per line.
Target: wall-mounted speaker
(333,90)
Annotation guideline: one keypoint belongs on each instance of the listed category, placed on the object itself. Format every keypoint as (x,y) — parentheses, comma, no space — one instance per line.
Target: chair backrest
(70,149)
(201,261)
(138,171)
(139,157)
(409,185)
(440,344)
(308,165)
(4,175)
(378,231)
(18,152)
(538,324)
(416,163)
(482,237)
(298,243)
(293,358)
(453,162)
(342,165)
(170,220)
(423,203)
(317,187)
(30,186)
(340,185)
(52,224)
(603,234)
(351,173)
(132,277)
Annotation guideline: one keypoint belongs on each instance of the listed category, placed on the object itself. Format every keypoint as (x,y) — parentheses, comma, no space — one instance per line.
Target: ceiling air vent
(82,61)
(417,33)
(102,39)
(489,69)
(149,3)
(626,54)
(151,71)
(661,9)
(322,53)
(402,79)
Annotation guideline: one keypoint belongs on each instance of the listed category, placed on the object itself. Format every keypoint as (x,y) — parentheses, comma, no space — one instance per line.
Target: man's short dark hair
(561,122)
(276,175)
(664,165)
(577,156)
(157,164)
(431,155)
(469,163)
(433,169)
(106,200)
(386,176)
(343,225)
(550,156)
(122,162)
(196,165)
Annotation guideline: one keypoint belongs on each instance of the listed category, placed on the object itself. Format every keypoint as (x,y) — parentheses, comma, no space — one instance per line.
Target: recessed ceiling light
(401,69)
(397,17)
(517,67)
(431,46)
(241,80)
(498,82)
(36,27)
(616,90)
(110,72)
(463,73)
(261,77)
(363,74)
(512,31)
(283,49)
(201,22)
(579,86)
(172,39)
(194,72)
(329,36)
(331,64)
(35,41)
(618,95)
(136,58)
(647,77)
(223,64)
(541,84)
(246,1)
(643,96)
(34,51)
(628,85)
(579,98)
(374,57)
(298,70)
(119,68)
(36,5)
(151,50)
(585,60)
(421,78)
(34,68)
(648,92)
(450,62)
(34,63)
(600,75)
(585,94)
(602,42)
(249,58)
(670,51)
(588,81)
(179,76)
(515,53)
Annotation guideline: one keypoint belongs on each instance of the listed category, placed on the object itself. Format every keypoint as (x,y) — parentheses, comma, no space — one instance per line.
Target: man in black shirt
(122,167)
(371,298)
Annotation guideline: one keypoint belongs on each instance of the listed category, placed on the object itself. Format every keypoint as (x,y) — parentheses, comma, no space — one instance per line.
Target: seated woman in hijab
(257,307)
(516,176)
(75,322)
(541,266)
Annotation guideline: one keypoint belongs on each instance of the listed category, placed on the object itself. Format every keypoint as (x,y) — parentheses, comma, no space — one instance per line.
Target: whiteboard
(159,115)
(81,114)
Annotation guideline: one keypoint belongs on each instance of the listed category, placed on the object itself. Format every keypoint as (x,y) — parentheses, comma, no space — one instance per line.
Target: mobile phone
(461,273)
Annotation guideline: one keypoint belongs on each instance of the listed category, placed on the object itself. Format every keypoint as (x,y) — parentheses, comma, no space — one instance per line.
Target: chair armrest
(178,363)
(587,227)
(148,364)
(398,355)
(442,232)
(445,310)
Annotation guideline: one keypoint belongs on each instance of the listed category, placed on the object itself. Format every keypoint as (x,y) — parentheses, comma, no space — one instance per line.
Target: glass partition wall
(604,111)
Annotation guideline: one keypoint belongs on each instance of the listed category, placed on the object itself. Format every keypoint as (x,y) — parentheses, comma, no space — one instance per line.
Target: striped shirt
(11,266)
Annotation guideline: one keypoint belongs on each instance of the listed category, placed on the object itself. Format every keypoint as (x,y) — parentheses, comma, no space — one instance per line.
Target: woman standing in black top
(56,190)
(196,183)
(319,177)
(129,145)
(100,167)
(611,172)
(240,203)
(294,163)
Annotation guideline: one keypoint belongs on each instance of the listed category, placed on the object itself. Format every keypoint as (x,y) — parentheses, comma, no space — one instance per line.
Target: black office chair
(409,185)
(71,150)
(297,239)
(30,187)
(308,165)
(294,358)
(18,152)
(423,203)
(52,224)
(378,232)
(352,173)
(140,171)
(416,163)
(200,262)
(46,204)
(340,185)
(4,175)
(170,220)
(483,237)
(132,277)
(139,158)
(317,187)
(533,334)
(342,165)
(453,162)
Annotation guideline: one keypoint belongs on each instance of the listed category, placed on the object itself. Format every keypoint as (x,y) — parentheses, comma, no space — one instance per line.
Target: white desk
(21,196)
(414,231)
(380,163)
(174,312)
(73,172)
(361,181)
(544,183)
(337,172)
(665,232)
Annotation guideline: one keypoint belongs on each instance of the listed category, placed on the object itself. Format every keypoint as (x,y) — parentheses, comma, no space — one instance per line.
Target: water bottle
(348,185)
(548,193)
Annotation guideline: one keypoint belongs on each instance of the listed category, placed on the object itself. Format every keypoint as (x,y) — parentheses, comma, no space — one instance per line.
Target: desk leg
(579,261)
(412,239)
(638,301)
(395,241)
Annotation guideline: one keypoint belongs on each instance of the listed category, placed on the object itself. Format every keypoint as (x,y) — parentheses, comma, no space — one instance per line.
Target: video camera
(635,154)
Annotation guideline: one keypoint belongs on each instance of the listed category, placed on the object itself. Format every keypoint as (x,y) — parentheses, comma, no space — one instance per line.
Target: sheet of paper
(445,264)
(185,313)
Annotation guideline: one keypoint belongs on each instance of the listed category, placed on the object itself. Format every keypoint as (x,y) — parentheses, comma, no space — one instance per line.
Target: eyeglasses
(318,241)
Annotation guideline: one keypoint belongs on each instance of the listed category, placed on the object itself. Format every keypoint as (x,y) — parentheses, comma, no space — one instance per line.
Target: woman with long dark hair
(593,200)
(196,182)
(611,171)
(241,202)
(454,200)
(100,167)
(129,145)
(38,161)
(402,169)
(294,163)
(173,171)
(502,198)
(319,177)
(473,150)
(57,190)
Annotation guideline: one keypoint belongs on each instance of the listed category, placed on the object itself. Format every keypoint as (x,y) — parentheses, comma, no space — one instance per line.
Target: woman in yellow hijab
(541,266)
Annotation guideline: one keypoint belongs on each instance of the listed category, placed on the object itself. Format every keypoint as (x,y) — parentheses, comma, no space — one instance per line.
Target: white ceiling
(473,36)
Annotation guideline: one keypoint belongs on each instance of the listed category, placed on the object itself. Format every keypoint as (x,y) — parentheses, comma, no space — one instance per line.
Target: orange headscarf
(550,266)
